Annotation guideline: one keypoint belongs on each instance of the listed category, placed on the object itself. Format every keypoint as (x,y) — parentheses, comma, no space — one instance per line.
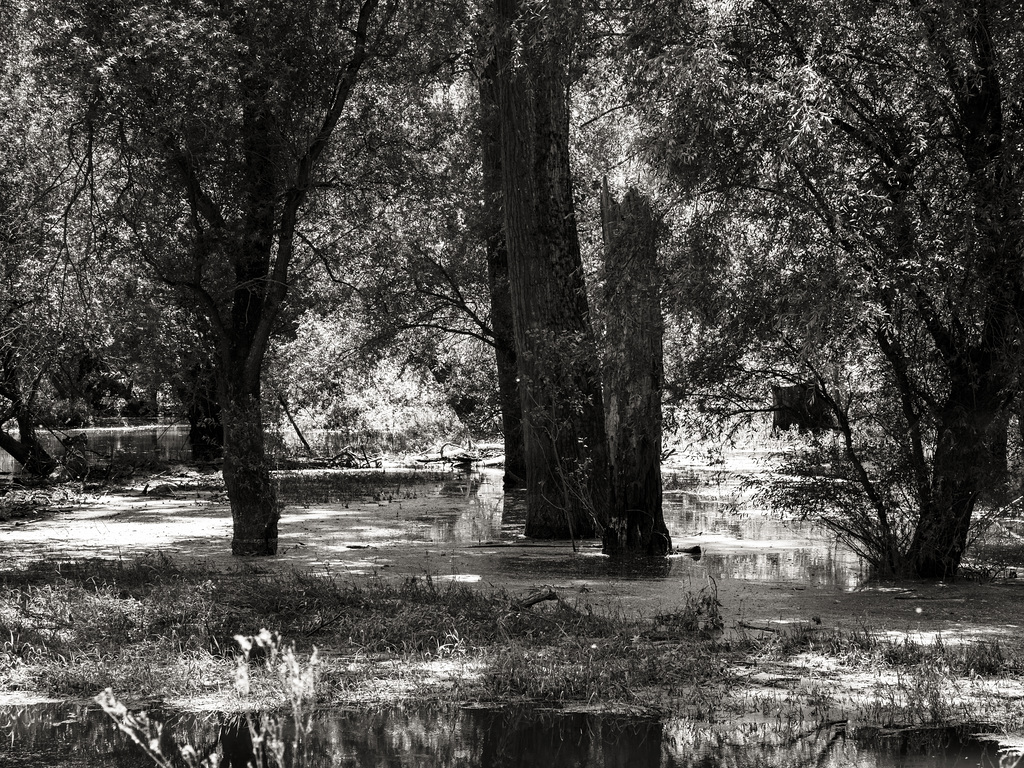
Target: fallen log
(545,593)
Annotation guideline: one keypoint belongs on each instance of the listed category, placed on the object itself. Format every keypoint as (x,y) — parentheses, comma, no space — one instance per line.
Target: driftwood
(537,596)
(696,552)
(346,459)
(757,627)
(812,624)
(162,490)
(484,454)
(357,458)
(545,593)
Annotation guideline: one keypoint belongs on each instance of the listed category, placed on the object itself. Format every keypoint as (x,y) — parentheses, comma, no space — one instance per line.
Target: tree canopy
(253,204)
(854,172)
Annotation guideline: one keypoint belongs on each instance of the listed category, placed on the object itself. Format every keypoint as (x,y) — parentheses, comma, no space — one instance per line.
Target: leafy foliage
(854,173)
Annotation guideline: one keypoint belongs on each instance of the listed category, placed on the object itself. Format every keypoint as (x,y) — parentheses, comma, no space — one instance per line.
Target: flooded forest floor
(418,586)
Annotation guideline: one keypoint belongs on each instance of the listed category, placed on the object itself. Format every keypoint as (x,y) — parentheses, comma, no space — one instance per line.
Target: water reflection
(741,543)
(736,542)
(477,515)
(445,737)
(160,442)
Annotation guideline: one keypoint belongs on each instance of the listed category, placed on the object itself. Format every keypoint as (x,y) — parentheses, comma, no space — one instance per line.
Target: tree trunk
(254,508)
(633,375)
(502,324)
(33,458)
(26,448)
(960,470)
(198,394)
(568,485)
(38,461)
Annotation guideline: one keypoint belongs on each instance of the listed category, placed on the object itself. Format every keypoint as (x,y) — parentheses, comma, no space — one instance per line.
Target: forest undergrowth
(154,629)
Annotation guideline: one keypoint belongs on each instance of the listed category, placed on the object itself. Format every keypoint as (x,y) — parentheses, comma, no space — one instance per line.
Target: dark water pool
(76,735)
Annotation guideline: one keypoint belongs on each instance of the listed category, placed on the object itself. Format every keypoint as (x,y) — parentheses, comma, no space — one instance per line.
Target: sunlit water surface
(74,735)
(735,541)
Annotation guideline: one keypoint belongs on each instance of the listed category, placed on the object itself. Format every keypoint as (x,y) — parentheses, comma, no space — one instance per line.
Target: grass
(304,487)
(154,628)
(890,681)
(866,649)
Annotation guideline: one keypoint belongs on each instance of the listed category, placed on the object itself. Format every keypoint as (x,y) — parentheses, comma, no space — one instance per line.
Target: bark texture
(962,469)
(633,374)
(26,448)
(502,325)
(568,488)
(254,508)
(197,392)
(31,455)
(982,363)
(244,245)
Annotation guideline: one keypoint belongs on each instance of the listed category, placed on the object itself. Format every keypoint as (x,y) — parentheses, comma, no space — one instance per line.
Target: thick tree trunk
(33,458)
(38,460)
(502,324)
(205,433)
(254,508)
(961,469)
(26,448)
(567,477)
(633,375)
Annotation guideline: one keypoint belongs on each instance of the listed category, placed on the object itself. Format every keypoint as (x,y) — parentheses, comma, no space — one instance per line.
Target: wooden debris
(483,454)
(539,596)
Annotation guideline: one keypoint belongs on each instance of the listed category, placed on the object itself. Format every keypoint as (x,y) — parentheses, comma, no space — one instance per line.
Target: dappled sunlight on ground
(454,529)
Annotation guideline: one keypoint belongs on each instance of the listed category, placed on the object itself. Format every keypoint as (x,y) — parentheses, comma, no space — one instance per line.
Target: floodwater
(734,541)
(161,442)
(61,735)
(725,539)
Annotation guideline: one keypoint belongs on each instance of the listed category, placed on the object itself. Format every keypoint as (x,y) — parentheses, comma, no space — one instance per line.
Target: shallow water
(161,442)
(445,737)
(735,541)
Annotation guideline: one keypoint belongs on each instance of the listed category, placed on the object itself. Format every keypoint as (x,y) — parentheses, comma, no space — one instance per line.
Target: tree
(493,230)
(633,373)
(568,489)
(855,178)
(36,189)
(222,117)
(437,269)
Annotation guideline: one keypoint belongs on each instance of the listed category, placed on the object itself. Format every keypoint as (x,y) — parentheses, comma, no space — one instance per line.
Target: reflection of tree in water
(813,567)
(513,512)
(503,738)
(61,736)
(521,738)
(815,559)
(828,745)
(479,518)
(70,735)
